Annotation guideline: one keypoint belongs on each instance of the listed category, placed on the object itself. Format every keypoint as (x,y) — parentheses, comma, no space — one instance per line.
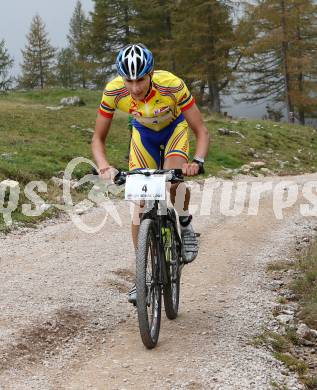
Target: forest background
(255,52)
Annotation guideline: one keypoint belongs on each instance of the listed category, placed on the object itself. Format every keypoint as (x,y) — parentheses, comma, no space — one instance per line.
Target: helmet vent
(134,61)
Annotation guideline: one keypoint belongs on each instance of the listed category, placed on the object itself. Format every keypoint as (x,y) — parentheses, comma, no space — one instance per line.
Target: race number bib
(140,187)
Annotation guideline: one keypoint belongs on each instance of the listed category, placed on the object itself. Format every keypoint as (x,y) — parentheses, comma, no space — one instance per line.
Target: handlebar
(172,175)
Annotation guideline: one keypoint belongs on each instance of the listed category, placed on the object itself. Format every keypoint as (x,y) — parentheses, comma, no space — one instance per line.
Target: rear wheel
(172,288)
(148,288)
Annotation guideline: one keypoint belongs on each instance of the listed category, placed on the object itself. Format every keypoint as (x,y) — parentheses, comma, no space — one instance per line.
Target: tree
(123,11)
(204,41)
(195,39)
(66,68)
(280,62)
(101,30)
(38,56)
(110,29)
(153,26)
(302,59)
(6,63)
(79,43)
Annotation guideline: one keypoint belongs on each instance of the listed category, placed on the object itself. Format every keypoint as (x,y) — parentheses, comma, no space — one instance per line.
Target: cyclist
(162,108)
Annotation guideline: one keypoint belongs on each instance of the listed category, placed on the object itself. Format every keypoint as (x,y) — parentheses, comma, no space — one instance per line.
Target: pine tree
(152,26)
(66,68)
(110,30)
(78,38)
(123,11)
(38,57)
(6,63)
(204,41)
(101,32)
(281,60)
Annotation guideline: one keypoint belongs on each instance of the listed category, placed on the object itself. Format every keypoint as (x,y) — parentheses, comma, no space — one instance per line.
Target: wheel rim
(174,277)
(171,255)
(153,292)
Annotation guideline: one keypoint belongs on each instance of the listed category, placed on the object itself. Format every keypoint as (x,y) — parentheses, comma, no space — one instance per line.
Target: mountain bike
(159,253)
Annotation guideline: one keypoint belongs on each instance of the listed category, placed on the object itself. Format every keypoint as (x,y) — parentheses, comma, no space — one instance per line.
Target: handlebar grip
(94,171)
(120,178)
(201,170)
(178,172)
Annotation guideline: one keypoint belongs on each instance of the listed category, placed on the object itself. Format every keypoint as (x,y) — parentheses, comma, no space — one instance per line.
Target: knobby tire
(148,290)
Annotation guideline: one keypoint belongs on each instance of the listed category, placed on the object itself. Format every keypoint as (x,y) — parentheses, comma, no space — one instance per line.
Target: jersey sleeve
(107,106)
(183,97)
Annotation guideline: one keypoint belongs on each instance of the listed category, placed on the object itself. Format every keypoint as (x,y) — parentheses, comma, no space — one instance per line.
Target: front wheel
(148,288)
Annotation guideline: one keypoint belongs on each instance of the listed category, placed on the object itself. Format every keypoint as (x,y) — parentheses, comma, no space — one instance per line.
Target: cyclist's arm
(98,141)
(195,121)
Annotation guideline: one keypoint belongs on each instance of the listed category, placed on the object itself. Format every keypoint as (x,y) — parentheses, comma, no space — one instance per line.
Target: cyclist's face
(138,88)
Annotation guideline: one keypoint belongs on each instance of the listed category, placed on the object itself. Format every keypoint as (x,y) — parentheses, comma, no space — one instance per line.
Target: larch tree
(6,63)
(38,57)
(280,59)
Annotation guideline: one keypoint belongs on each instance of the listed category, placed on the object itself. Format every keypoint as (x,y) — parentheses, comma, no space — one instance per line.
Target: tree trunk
(41,73)
(301,112)
(41,65)
(82,62)
(201,92)
(126,24)
(41,78)
(168,22)
(83,79)
(288,100)
(301,117)
(300,78)
(214,96)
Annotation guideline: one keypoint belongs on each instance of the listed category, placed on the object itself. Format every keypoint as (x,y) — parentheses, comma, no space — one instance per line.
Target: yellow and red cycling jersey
(157,120)
(168,98)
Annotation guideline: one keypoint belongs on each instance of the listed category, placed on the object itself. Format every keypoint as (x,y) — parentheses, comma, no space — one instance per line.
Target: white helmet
(134,61)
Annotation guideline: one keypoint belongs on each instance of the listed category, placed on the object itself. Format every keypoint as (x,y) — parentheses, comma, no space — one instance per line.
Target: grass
(40,142)
(37,143)
(280,265)
(279,145)
(52,96)
(293,363)
(282,346)
(310,382)
(278,342)
(306,286)
(278,386)
(282,300)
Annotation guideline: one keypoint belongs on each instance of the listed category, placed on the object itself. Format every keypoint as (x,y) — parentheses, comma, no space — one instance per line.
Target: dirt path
(65,322)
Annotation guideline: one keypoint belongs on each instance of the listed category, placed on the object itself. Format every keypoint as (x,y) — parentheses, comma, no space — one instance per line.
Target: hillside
(37,142)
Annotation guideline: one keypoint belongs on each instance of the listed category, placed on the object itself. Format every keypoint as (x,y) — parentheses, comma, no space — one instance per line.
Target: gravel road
(65,322)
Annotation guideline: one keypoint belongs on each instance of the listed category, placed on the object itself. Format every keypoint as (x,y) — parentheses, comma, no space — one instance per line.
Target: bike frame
(160,222)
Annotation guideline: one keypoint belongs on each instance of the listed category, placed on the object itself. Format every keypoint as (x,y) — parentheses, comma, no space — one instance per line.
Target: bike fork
(161,255)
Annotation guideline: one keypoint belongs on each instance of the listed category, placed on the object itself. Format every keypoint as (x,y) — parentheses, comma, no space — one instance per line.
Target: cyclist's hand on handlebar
(108,173)
(190,169)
